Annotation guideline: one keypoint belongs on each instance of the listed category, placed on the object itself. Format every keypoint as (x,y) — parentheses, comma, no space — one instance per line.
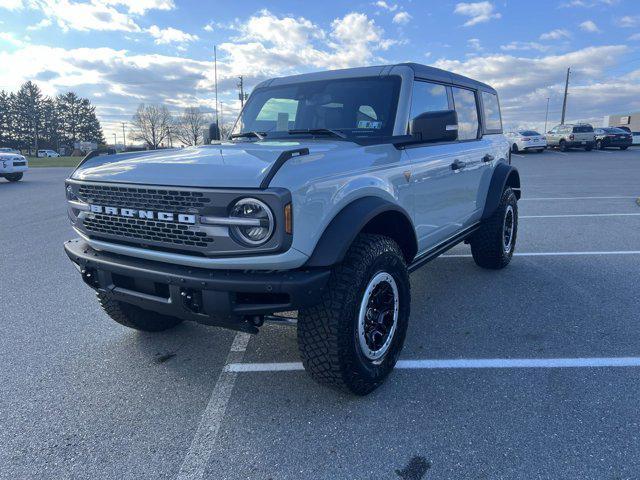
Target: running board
(442,247)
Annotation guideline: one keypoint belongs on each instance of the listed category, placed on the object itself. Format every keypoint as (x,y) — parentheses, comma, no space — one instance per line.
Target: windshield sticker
(370,124)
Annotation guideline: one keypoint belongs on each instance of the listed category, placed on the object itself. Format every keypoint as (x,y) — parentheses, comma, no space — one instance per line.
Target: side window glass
(465,101)
(427,97)
(491,111)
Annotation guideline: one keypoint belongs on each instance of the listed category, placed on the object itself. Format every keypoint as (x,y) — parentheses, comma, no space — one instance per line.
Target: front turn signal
(288,219)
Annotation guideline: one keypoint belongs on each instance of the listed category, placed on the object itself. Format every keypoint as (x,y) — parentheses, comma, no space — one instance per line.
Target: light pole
(546,116)
(124,138)
(114,141)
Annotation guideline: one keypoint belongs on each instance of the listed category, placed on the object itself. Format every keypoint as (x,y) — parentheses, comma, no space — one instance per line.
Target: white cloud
(104,15)
(11,39)
(634,37)
(45,22)
(588,3)
(386,6)
(208,27)
(140,7)
(629,21)
(268,44)
(513,46)
(401,18)
(478,11)
(589,26)
(556,34)
(475,44)
(168,35)
(11,4)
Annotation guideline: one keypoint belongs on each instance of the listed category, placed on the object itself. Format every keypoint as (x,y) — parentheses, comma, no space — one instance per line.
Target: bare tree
(151,124)
(190,126)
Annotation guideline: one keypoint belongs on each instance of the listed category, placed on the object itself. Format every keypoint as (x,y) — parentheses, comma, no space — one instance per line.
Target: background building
(631,120)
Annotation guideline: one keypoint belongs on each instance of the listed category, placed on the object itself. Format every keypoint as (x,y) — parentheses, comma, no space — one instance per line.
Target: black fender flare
(503,175)
(347,224)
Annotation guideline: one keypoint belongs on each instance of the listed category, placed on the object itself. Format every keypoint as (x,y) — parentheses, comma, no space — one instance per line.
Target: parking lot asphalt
(82,397)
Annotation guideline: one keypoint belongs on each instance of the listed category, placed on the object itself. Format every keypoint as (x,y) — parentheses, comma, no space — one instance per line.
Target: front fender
(346,225)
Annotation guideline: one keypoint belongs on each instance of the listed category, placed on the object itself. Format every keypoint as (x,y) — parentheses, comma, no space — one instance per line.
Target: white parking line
(554,254)
(582,215)
(203,443)
(460,363)
(576,198)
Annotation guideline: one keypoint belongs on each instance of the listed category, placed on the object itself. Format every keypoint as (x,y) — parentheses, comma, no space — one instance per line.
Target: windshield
(582,129)
(354,107)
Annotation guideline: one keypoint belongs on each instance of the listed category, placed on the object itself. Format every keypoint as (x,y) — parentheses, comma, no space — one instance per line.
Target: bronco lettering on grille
(145,214)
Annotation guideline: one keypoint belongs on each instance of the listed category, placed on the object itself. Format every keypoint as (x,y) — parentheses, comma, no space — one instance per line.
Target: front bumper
(223,298)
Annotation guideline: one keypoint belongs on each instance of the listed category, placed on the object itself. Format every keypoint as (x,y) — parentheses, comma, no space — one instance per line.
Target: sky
(120,53)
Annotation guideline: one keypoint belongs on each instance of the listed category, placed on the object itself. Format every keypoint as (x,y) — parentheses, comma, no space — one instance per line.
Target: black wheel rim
(378,317)
(508,229)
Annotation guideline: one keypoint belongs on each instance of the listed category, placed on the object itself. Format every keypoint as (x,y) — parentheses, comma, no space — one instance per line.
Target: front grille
(146,230)
(19,164)
(143,198)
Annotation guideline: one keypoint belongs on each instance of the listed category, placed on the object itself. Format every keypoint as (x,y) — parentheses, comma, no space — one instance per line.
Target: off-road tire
(488,243)
(563,146)
(135,317)
(328,332)
(13,177)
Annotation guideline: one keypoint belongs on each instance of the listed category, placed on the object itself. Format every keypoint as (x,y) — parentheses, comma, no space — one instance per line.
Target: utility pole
(564,101)
(124,138)
(215,76)
(114,141)
(546,116)
(242,96)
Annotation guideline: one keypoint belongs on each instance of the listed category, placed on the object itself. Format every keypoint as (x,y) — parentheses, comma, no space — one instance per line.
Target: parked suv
(333,187)
(568,136)
(12,166)
(47,153)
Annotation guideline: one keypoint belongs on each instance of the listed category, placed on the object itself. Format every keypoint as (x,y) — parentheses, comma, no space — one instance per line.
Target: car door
(445,176)
(432,184)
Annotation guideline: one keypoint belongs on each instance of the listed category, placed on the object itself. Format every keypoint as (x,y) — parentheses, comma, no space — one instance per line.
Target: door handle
(457,165)
(487,158)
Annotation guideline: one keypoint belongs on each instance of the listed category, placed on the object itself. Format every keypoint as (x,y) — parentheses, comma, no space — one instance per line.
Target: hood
(227,165)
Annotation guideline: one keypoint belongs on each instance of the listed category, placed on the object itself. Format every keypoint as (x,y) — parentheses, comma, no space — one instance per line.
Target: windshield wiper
(320,131)
(258,135)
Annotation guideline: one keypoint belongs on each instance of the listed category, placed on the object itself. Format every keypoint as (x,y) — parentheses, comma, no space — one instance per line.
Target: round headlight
(254,221)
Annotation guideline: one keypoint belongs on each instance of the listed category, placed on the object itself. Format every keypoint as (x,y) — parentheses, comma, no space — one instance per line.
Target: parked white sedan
(524,140)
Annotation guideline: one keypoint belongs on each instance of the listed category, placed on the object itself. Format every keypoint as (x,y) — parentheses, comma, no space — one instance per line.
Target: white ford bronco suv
(333,187)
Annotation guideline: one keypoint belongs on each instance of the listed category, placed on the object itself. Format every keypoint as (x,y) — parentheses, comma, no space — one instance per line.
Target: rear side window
(583,129)
(428,97)
(492,119)
(467,110)
(529,133)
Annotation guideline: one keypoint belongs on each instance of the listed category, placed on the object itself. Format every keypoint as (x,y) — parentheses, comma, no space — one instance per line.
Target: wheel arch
(365,214)
(504,176)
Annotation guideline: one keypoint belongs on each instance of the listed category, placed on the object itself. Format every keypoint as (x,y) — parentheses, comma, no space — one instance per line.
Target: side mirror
(440,126)
(214,132)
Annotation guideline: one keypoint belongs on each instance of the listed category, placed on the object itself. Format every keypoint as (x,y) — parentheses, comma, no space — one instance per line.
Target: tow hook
(191,299)
(90,277)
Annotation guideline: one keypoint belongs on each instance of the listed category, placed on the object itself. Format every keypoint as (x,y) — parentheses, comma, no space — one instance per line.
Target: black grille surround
(172,236)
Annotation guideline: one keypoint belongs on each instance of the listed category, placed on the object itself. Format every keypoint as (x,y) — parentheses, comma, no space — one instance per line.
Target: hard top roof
(420,71)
